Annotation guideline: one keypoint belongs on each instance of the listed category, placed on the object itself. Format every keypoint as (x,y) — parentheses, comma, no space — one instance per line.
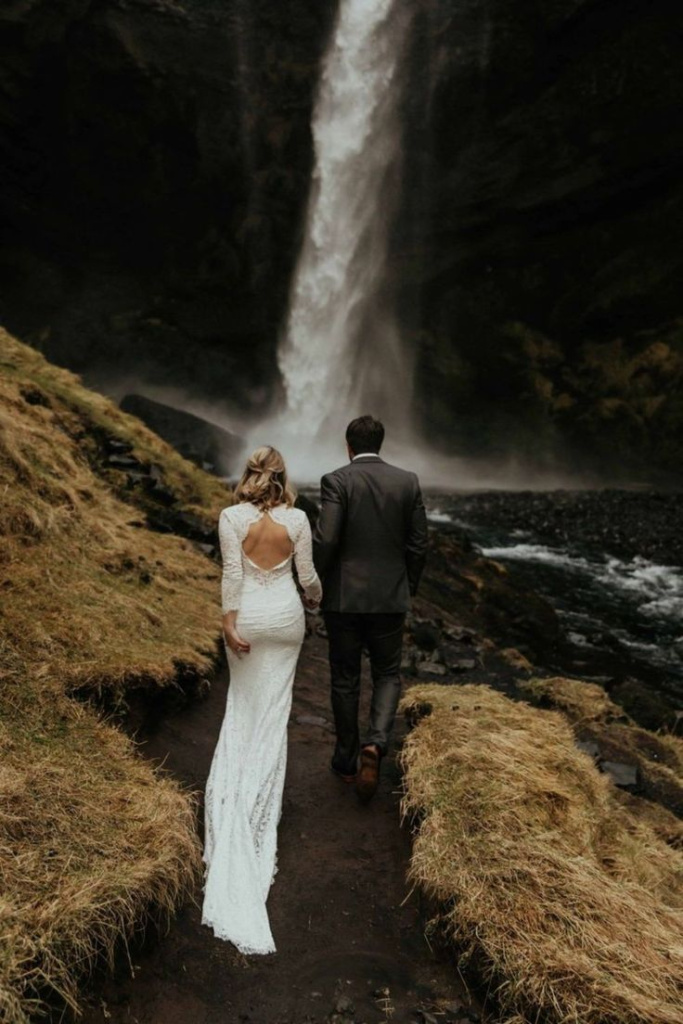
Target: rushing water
(341,347)
(619,596)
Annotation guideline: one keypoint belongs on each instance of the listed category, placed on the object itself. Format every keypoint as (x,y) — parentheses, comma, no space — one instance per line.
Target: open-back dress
(244,789)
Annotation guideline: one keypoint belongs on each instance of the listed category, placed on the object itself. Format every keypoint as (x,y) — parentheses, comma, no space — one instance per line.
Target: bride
(262,537)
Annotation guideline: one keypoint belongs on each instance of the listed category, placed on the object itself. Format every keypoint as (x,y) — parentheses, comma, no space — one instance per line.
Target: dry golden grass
(572,905)
(580,701)
(658,756)
(85,415)
(91,598)
(93,841)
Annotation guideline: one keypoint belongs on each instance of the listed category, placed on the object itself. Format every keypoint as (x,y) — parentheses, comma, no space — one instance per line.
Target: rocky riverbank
(627,524)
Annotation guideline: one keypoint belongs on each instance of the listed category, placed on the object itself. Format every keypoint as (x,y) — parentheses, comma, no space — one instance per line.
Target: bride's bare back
(267,544)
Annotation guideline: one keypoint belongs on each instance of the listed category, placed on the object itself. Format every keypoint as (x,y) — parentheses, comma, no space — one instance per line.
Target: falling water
(341,350)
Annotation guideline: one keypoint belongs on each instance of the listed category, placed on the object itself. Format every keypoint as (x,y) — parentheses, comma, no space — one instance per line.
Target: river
(609,562)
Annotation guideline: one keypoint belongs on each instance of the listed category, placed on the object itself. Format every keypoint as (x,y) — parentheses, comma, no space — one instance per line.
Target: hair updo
(264,482)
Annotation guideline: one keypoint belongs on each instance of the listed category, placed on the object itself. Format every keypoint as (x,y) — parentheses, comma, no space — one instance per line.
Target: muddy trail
(350,934)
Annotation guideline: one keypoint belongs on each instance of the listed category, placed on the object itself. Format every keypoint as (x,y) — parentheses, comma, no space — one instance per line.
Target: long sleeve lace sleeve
(303,558)
(231,553)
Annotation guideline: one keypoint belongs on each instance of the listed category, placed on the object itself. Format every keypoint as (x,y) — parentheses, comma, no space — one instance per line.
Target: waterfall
(341,351)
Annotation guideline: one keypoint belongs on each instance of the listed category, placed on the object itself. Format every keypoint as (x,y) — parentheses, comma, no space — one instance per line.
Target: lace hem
(246,950)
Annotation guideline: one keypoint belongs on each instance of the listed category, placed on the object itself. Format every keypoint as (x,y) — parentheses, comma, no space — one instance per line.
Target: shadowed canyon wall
(156,158)
(543,226)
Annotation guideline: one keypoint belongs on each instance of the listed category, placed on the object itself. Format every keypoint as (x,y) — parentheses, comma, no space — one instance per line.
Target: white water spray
(341,353)
(341,349)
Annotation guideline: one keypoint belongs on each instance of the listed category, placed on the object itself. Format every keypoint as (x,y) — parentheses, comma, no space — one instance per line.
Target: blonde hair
(264,482)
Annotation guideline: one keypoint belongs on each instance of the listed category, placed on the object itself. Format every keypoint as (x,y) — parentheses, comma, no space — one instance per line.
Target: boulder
(624,775)
(197,439)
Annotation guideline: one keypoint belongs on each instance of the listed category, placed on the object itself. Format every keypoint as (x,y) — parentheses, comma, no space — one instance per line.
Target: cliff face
(545,230)
(156,165)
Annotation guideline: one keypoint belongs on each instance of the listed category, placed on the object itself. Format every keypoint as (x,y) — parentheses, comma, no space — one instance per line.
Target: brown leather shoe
(368,776)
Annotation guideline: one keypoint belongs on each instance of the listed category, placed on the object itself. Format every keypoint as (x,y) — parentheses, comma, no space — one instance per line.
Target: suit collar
(369,457)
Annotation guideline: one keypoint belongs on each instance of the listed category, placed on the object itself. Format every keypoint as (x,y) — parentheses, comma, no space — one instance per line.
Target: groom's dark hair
(364,434)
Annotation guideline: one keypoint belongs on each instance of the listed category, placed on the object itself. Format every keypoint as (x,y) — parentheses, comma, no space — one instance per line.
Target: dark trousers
(348,634)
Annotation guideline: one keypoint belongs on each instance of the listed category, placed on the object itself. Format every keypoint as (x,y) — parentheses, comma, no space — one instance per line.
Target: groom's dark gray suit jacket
(370,542)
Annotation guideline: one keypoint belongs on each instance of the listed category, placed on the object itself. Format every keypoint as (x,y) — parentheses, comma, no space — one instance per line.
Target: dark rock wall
(543,242)
(156,158)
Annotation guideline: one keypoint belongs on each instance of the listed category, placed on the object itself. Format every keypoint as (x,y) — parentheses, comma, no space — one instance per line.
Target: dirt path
(342,917)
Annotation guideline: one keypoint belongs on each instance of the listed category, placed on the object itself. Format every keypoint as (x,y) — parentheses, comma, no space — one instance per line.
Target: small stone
(115,444)
(311,720)
(462,665)
(344,1006)
(451,655)
(623,775)
(122,461)
(589,747)
(431,668)
(460,634)
(136,476)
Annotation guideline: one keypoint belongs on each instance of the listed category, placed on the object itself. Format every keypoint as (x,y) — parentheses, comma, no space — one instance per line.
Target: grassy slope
(91,839)
(565,894)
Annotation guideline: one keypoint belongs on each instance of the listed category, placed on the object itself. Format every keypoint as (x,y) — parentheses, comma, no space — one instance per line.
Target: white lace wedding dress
(244,789)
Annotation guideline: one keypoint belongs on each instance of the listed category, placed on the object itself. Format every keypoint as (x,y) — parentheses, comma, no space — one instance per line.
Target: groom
(369,549)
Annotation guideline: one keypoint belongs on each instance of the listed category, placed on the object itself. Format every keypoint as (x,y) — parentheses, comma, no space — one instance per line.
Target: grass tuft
(570,904)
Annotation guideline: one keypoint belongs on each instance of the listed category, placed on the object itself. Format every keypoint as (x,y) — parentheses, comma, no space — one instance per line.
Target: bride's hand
(232,637)
(310,603)
(235,641)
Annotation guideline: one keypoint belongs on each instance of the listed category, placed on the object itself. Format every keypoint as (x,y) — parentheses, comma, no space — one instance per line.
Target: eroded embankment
(559,890)
(92,840)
